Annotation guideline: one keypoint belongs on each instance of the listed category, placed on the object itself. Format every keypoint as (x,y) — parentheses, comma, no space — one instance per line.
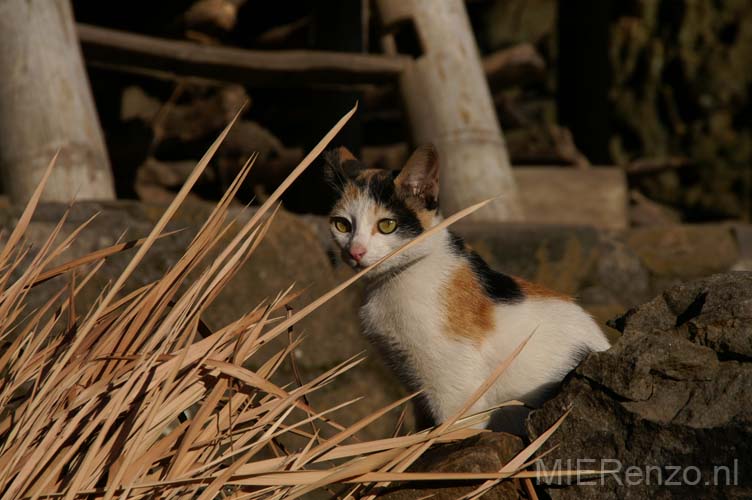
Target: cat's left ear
(420,175)
(340,165)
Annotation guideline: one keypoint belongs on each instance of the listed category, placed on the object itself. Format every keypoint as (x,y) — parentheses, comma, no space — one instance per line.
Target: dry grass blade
(53,381)
(529,488)
(23,221)
(136,397)
(409,456)
(517,462)
(93,257)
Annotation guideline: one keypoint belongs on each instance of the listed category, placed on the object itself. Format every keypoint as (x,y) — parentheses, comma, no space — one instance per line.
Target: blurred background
(659,89)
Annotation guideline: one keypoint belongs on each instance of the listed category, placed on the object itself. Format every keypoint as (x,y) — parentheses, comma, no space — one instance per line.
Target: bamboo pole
(46,104)
(449,103)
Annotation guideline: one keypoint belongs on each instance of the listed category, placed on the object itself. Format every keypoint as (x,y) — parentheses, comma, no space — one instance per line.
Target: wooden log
(46,105)
(221,14)
(508,66)
(124,50)
(449,104)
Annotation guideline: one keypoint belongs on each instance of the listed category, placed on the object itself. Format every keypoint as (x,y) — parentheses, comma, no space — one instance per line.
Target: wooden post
(46,104)
(449,103)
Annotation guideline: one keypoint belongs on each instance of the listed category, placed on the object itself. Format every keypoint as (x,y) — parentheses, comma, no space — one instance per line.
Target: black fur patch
(500,287)
(337,172)
(432,204)
(380,187)
(457,243)
(403,368)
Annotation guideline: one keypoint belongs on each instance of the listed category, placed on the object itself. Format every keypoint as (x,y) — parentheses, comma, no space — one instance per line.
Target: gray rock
(674,390)
(487,452)
(685,251)
(619,276)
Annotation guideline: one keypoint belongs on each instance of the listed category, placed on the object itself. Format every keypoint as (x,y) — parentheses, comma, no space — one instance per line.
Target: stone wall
(610,272)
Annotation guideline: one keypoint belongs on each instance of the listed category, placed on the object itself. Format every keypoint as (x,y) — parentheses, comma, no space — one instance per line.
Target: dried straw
(136,397)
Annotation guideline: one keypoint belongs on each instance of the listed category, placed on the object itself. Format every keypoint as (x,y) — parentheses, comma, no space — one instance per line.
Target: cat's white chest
(405,312)
(407,317)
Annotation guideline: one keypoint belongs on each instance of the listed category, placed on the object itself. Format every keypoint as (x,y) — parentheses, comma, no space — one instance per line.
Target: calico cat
(443,319)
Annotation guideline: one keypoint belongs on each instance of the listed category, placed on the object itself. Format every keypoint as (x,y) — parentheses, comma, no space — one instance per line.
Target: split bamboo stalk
(449,104)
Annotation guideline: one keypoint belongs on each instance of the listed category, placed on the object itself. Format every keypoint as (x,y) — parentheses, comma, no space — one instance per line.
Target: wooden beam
(141,53)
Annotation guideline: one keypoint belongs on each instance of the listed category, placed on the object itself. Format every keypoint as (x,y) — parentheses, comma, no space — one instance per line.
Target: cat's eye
(387,226)
(341,224)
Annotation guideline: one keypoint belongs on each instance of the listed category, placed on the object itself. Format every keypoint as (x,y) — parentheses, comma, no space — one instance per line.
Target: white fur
(405,311)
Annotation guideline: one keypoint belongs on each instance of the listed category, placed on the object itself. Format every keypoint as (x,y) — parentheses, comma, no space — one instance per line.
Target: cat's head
(377,210)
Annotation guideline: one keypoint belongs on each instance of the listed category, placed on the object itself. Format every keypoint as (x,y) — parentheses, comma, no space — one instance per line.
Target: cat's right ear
(419,177)
(340,165)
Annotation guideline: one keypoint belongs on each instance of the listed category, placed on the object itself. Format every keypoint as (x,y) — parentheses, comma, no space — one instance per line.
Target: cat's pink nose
(357,252)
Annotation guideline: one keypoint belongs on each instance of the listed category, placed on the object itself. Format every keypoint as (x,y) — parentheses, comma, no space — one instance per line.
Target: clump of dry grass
(95,404)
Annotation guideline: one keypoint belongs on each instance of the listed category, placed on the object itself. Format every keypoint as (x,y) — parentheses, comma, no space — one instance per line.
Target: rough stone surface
(594,196)
(674,390)
(487,452)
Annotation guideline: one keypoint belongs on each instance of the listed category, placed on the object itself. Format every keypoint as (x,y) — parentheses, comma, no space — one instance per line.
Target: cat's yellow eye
(341,224)
(387,226)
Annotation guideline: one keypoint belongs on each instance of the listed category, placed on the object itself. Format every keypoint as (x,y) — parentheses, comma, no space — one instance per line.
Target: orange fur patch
(534,290)
(426,218)
(469,309)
